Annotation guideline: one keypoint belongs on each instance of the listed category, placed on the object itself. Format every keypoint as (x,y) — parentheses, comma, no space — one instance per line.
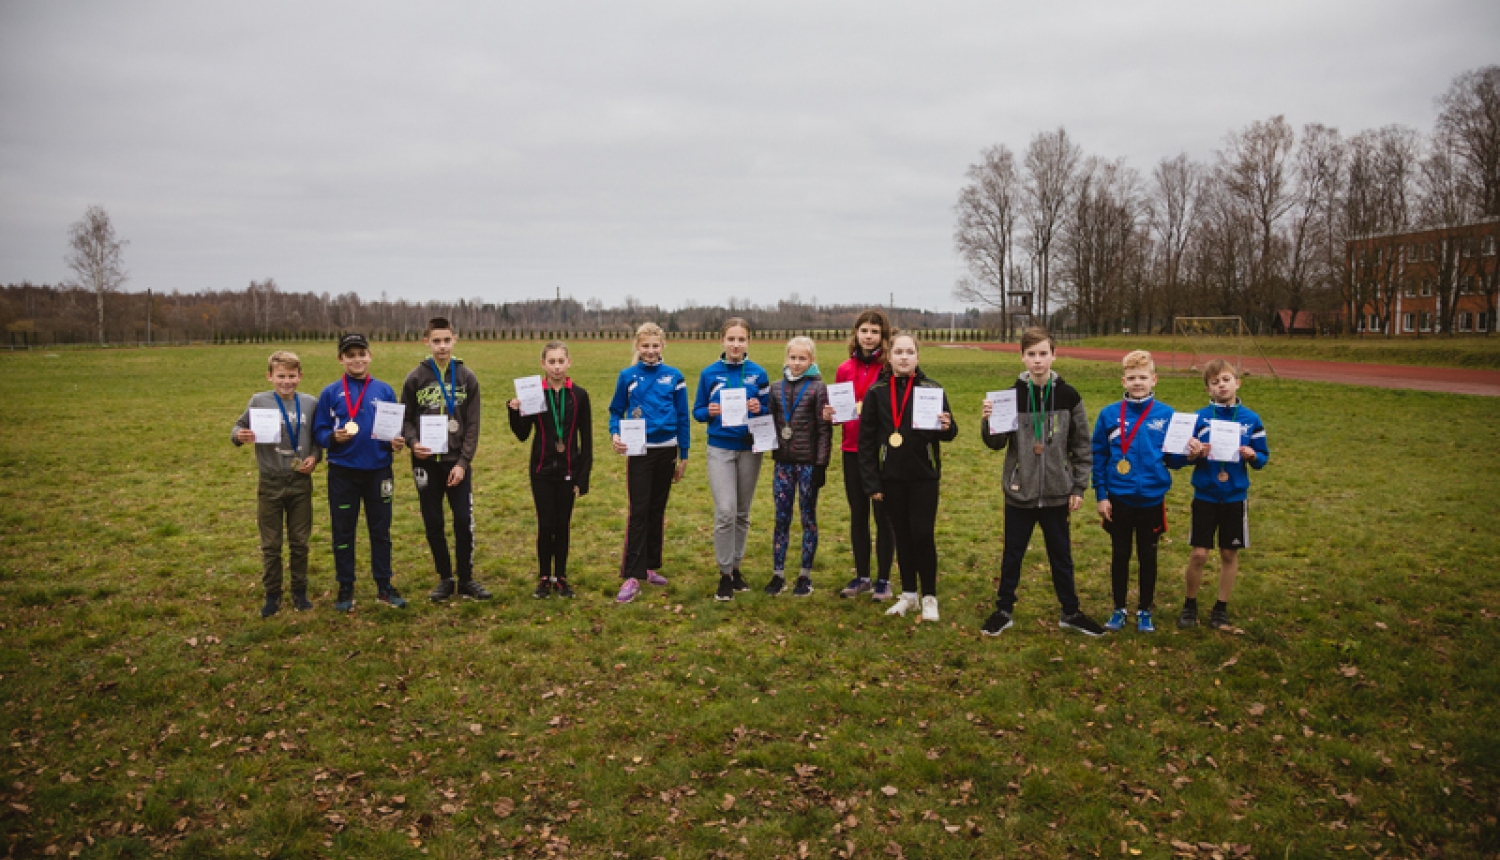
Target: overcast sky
(676,152)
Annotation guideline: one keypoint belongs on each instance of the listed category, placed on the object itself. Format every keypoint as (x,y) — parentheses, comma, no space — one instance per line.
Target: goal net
(1202,339)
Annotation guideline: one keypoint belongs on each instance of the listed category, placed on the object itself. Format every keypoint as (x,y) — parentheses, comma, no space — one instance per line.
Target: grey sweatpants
(731,479)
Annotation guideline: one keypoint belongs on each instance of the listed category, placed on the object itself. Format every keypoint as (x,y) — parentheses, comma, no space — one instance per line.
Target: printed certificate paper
(733,408)
(633,434)
(762,433)
(266,424)
(927,405)
(1179,433)
(841,398)
(388,418)
(1003,411)
(529,392)
(434,433)
(1224,441)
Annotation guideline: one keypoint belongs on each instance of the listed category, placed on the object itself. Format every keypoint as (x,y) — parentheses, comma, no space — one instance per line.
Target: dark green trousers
(284,504)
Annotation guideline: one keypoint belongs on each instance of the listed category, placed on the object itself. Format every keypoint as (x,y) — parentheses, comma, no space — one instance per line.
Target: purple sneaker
(655,578)
(882,590)
(628,591)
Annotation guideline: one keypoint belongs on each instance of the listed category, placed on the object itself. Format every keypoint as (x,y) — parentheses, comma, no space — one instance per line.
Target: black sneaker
(1218,619)
(471,590)
(442,591)
(776,585)
(1189,616)
(562,588)
(738,581)
(389,596)
(857,586)
(345,601)
(726,588)
(300,601)
(998,622)
(273,606)
(1082,623)
(803,587)
(543,589)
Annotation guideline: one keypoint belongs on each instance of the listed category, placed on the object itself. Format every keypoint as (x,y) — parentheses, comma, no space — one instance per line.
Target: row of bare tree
(1086,242)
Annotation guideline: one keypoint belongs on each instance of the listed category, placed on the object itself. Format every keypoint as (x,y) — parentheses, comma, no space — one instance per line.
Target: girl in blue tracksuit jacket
(651,390)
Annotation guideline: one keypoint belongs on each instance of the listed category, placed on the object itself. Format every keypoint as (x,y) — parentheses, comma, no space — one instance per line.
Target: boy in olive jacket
(1047,468)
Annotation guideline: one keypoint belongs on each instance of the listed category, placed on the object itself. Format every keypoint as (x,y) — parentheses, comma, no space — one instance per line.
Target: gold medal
(1223,476)
(859,407)
(1124,467)
(351,429)
(895,440)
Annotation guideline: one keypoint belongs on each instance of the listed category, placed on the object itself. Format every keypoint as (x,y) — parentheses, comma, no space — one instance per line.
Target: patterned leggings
(795,479)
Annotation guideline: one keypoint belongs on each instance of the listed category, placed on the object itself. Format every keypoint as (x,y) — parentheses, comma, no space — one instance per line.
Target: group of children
(892,468)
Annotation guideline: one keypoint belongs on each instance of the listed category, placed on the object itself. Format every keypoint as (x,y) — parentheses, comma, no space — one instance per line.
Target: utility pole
(148,316)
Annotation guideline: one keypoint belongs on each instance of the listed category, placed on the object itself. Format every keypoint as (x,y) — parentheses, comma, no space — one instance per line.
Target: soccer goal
(1203,339)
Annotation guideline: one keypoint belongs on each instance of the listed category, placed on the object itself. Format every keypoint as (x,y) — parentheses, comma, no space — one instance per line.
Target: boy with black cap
(359,470)
(441,385)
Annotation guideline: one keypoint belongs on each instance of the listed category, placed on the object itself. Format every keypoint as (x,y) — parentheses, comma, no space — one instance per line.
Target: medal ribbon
(1127,438)
(294,432)
(1038,418)
(788,412)
(895,413)
(449,398)
(556,411)
(354,410)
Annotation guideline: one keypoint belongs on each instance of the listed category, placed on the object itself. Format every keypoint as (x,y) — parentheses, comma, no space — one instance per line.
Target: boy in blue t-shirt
(1221,492)
(359,470)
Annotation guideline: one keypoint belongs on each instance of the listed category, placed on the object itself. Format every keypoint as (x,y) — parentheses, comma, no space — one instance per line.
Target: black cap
(351,340)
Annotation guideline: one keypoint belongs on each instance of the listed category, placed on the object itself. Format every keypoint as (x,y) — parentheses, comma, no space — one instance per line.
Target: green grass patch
(1475,351)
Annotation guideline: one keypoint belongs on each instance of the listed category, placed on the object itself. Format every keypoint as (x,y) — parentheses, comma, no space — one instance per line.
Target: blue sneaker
(1116,622)
(345,601)
(1143,622)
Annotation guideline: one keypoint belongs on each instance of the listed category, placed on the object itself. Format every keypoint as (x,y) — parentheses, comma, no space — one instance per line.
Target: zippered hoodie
(363,451)
(274,464)
(715,378)
(920,456)
(1048,479)
(812,437)
(864,371)
(576,461)
(1148,480)
(423,396)
(660,392)
(1206,483)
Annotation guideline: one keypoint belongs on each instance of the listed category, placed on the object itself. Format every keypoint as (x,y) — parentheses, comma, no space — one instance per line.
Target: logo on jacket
(1157,424)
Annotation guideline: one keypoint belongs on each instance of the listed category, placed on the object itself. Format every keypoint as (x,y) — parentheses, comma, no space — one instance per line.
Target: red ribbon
(1127,438)
(897,414)
(354,412)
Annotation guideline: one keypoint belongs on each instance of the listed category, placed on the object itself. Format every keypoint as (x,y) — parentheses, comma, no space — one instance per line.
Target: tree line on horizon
(1088,244)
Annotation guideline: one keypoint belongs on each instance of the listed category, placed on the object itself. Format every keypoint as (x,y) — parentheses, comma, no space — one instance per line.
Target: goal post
(1202,339)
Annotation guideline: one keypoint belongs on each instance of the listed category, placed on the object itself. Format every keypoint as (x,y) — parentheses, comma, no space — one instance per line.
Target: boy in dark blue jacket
(1131,483)
(1221,492)
(359,470)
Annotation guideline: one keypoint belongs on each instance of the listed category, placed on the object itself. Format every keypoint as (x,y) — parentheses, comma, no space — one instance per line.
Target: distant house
(1444,279)
(1305,323)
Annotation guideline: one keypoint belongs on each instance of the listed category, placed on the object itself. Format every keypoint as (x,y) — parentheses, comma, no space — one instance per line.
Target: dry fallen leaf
(476,728)
(889,791)
(504,807)
(728,803)
(1257,709)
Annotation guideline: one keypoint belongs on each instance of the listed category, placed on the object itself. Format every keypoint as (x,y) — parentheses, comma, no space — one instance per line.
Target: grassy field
(149,711)
(1476,351)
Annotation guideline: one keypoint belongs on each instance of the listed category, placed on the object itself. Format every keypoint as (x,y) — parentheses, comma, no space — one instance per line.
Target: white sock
(910,597)
(778,574)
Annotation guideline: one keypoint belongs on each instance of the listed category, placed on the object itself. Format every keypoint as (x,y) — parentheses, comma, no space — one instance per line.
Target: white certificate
(762,433)
(434,433)
(841,398)
(633,434)
(733,409)
(529,392)
(388,418)
(266,424)
(1003,417)
(1179,432)
(1224,441)
(927,404)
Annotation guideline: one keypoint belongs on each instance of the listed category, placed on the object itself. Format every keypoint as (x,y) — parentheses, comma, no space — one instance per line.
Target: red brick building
(1441,280)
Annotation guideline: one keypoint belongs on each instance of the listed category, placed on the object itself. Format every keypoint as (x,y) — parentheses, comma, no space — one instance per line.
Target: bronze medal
(895,440)
(786,433)
(560,446)
(452,425)
(859,407)
(1223,476)
(1038,448)
(636,413)
(1124,467)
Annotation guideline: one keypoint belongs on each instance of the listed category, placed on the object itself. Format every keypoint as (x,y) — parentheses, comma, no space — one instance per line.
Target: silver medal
(786,433)
(452,425)
(636,412)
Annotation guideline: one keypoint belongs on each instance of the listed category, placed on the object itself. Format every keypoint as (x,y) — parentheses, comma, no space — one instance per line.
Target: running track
(1453,380)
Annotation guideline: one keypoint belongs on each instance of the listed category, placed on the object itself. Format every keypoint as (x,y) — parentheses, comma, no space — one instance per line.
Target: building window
(1374,322)
(1482,323)
(1426,286)
(1408,322)
(1488,248)
(1466,321)
(1424,319)
(1410,289)
(1429,252)
(1466,284)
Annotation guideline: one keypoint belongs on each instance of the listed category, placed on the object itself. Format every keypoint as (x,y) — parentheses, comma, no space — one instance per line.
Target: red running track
(1452,380)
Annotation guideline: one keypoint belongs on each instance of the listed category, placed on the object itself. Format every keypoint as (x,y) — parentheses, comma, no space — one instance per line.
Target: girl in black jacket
(801,455)
(901,466)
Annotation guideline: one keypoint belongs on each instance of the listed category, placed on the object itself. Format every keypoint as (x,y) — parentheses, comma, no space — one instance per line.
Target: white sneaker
(929,608)
(903,603)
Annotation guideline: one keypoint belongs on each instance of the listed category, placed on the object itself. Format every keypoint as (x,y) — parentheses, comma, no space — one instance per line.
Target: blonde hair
(1137,360)
(806,343)
(284,358)
(734,322)
(555,344)
(645,330)
(1217,366)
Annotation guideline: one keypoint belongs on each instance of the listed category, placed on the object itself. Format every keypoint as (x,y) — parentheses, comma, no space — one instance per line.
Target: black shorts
(1230,519)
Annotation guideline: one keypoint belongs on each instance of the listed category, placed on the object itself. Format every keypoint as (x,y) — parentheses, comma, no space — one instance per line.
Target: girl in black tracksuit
(562,456)
(901,466)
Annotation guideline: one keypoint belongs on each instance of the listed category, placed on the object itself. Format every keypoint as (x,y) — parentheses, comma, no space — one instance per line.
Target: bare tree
(984,236)
(1051,162)
(1174,211)
(1378,199)
(1468,125)
(96,257)
(1319,162)
(1101,241)
(1256,168)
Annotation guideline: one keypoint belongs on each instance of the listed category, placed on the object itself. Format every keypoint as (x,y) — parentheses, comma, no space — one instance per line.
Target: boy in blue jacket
(1131,483)
(1221,492)
(359,470)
